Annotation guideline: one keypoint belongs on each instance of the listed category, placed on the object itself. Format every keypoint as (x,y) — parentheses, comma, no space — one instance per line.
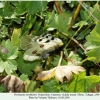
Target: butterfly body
(39,47)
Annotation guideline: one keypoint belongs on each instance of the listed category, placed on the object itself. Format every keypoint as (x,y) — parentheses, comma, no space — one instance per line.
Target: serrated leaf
(12,50)
(4,31)
(93,40)
(15,36)
(9,66)
(51,86)
(24,77)
(7,44)
(82,83)
(60,22)
(93,44)
(13,53)
(94,54)
(75,59)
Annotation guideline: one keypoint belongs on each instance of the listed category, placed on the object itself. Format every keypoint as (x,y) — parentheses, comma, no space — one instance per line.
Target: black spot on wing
(48,36)
(47,41)
(52,38)
(40,40)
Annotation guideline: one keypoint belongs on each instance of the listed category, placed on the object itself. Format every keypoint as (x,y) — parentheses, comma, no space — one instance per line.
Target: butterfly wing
(34,53)
(50,43)
(38,48)
(27,41)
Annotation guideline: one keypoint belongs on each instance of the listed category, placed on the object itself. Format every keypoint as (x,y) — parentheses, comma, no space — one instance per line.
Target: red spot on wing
(38,54)
(33,52)
(41,46)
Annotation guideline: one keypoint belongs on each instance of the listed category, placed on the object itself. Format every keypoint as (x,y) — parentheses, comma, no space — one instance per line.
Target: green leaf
(7,10)
(82,83)
(9,66)
(24,77)
(39,90)
(30,86)
(36,6)
(13,53)
(83,34)
(60,22)
(94,54)
(56,60)
(21,8)
(1,66)
(37,26)
(0,20)
(93,44)
(84,15)
(12,50)
(3,31)
(2,88)
(93,40)
(26,67)
(18,20)
(96,12)
(7,44)
(15,36)
(51,86)
(74,59)
(30,20)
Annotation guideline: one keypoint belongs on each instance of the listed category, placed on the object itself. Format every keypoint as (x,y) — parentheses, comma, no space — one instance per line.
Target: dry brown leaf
(45,75)
(66,71)
(13,83)
(60,72)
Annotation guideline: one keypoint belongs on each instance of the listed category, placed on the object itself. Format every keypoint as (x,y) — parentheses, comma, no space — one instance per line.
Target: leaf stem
(74,16)
(59,63)
(58,7)
(79,44)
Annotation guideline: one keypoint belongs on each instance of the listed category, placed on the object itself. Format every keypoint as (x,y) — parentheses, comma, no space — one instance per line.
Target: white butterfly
(39,47)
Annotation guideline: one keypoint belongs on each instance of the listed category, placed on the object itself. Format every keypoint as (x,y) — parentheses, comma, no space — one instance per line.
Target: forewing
(27,41)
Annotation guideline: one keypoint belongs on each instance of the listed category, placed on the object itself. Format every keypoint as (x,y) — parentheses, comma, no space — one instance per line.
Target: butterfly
(38,47)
